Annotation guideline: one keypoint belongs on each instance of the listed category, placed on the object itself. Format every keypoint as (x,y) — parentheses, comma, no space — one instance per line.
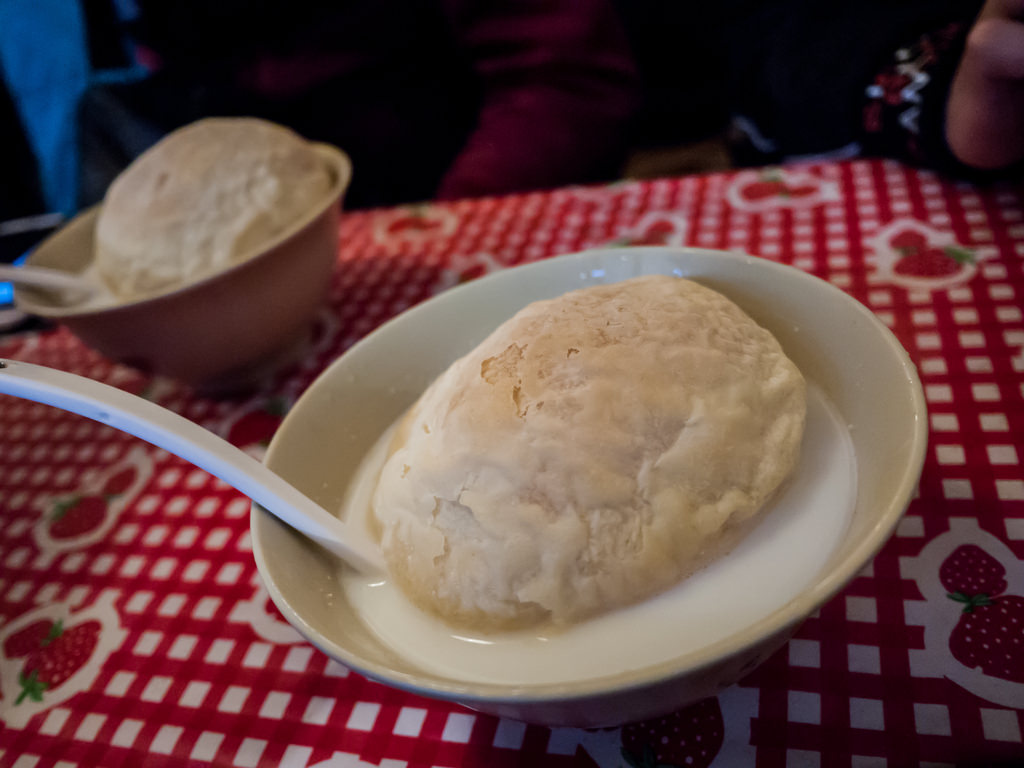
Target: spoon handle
(44,277)
(176,434)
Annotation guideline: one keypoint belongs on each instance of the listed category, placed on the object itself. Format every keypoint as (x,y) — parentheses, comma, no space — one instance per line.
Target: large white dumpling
(203,199)
(594,450)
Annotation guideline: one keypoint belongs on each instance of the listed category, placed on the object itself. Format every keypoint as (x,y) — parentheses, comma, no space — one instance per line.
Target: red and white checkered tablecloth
(135,630)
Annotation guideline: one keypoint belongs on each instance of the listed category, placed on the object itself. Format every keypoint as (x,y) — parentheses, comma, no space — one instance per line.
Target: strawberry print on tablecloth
(714,733)
(770,188)
(49,654)
(463,267)
(973,613)
(414,224)
(252,426)
(914,255)
(690,736)
(655,228)
(990,633)
(81,518)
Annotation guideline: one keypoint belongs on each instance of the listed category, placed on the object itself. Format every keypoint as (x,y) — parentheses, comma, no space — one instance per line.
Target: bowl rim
(340,167)
(774,624)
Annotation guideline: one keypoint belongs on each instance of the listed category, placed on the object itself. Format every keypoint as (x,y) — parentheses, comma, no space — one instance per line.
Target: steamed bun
(201,200)
(595,449)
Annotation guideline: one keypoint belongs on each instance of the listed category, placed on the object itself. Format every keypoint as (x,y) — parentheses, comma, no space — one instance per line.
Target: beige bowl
(219,333)
(837,343)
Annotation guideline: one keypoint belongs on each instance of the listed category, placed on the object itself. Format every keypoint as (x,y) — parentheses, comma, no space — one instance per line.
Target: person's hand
(985,110)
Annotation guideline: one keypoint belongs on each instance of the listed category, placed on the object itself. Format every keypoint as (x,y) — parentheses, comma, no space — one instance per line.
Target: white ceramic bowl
(837,343)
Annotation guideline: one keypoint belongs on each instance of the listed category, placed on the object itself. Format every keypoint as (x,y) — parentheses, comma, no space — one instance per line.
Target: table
(135,630)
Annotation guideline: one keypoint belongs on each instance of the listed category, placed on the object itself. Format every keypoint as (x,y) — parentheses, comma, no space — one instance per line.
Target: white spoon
(72,288)
(178,435)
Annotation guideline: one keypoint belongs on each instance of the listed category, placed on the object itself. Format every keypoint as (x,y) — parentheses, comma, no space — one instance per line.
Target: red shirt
(446,99)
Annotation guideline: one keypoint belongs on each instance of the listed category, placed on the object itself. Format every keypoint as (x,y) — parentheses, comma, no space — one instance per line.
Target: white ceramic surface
(837,343)
(69,288)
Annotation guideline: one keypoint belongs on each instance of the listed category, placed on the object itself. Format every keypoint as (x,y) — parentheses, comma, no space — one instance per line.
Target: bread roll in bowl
(201,200)
(594,450)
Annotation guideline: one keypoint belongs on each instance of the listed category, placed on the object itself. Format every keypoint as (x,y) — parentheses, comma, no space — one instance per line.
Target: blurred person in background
(455,98)
(937,83)
(432,100)
(921,80)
